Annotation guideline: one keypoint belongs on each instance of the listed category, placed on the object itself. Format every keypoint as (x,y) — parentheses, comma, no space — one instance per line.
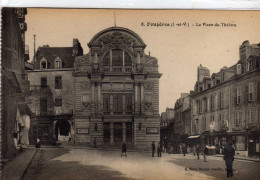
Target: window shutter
(246,94)
(234,96)
(258,91)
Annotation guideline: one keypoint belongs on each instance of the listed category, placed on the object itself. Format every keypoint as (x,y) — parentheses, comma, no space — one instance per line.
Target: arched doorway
(62,130)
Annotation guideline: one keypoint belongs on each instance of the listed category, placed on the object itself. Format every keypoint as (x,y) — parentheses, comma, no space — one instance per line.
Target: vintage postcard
(130,94)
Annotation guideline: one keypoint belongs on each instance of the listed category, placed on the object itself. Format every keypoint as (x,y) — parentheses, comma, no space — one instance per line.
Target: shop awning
(192,137)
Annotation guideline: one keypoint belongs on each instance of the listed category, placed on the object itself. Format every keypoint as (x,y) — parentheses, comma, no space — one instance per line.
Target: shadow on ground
(44,167)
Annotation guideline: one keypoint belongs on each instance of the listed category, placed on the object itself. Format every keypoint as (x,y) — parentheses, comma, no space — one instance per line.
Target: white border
(138,4)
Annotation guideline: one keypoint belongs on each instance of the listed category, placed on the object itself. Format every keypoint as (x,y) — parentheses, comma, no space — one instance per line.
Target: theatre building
(116,92)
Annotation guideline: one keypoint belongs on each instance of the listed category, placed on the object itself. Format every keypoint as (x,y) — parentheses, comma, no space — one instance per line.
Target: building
(181,119)
(52,86)
(15,114)
(116,88)
(167,117)
(167,126)
(226,106)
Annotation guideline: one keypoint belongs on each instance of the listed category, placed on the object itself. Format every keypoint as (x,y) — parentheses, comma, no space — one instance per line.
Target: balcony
(40,89)
(53,112)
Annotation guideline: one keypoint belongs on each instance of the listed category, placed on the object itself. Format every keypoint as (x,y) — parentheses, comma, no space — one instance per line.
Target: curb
(240,158)
(28,165)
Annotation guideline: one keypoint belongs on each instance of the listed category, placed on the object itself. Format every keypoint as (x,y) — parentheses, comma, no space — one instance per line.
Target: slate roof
(51,53)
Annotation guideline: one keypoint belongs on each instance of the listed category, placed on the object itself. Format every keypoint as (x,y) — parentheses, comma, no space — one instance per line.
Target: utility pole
(34,41)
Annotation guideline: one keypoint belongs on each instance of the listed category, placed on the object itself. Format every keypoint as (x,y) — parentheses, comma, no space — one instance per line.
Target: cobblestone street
(60,163)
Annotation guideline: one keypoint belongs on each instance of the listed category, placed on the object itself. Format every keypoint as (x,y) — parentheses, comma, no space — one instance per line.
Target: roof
(51,53)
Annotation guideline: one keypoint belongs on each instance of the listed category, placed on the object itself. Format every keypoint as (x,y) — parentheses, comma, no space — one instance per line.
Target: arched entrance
(62,130)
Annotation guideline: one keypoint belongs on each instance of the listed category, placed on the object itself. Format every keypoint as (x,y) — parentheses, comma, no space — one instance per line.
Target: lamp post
(212,127)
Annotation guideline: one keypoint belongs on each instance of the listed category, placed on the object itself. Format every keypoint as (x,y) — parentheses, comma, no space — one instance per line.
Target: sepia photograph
(129,94)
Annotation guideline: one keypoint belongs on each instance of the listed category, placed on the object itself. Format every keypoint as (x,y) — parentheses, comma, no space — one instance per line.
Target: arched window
(120,62)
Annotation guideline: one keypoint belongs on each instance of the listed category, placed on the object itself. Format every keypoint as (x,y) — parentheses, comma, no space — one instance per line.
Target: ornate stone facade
(116,91)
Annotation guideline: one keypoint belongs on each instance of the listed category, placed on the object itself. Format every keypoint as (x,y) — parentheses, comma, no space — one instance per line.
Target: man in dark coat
(153,149)
(229,153)
(198,151)
(123,148)
(184,149)
(159,150)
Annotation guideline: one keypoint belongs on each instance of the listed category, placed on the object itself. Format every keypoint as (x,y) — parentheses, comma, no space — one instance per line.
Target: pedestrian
(38,143)
(198,151)
(184,149)
(229,153)
(159,150)
(123,149)
(153,149)
(205,153)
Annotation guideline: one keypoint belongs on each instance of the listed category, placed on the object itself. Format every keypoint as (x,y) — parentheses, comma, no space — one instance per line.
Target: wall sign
(152,130)
(83,130)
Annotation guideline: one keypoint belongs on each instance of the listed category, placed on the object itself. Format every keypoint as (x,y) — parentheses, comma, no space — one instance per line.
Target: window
(237,95)
(250,92)
(58,82)
(128,103)
(58,102)
(43,81)
(251,115)
(198,107)
(205,105)
(106,103)
(119,59)
(212,102)
(204,123)
(212,118)
(221,99)
(58,64)
(44,65)
(117,103)
(222,76)
(239,69)
(237,118)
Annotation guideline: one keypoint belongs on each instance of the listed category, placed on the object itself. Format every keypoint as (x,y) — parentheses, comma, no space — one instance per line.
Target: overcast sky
(179,50)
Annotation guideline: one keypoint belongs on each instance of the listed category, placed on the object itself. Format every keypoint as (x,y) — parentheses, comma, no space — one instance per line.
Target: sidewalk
(240,158)
(14,169)
(236,157)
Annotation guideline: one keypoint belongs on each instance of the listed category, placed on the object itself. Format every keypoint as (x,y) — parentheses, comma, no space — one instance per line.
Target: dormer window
(58,63)
(222,77)
(43,63)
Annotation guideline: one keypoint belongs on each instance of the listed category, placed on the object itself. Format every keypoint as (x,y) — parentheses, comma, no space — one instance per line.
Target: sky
(179,49)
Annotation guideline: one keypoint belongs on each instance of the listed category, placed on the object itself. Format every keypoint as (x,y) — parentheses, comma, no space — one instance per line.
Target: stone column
(123,61)
(142,97)
(111,133)
(124,104)
(93,97)
(95,60)
(124,132)
(136,98)
(138,58)
(111,104)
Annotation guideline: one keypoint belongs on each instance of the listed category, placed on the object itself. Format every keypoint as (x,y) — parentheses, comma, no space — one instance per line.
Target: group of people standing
(159,149)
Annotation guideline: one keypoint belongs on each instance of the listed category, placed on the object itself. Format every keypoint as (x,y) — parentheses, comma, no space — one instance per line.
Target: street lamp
(212,127)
